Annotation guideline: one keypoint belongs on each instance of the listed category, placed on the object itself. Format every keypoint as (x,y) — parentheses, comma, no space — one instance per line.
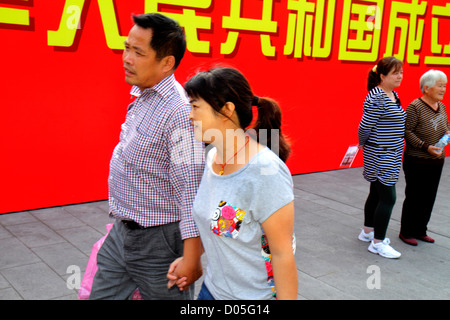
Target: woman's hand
(434,151)
(185,270)
(174,279)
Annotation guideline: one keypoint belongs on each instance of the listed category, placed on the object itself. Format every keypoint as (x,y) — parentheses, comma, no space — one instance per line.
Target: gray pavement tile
(9,294)
(304,206)
(35,234)
(86,211)
(15,218)
(36,282)
(93,214)
(57,218)
(48,213)
(82,237)
(4,233)
(3,283)
(313,289)
(60,256)
(14,253)
(354,208)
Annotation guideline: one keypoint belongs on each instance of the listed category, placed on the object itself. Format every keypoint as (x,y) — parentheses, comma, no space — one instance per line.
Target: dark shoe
(410,241)
(426,239)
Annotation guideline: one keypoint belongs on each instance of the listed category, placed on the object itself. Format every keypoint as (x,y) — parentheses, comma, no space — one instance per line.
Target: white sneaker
(384,249)
(366,237)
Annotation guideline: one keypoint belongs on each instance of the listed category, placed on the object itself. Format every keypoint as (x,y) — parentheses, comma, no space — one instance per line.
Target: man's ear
(168,63)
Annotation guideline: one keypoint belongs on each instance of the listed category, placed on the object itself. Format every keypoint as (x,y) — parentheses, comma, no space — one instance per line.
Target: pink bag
(91,269)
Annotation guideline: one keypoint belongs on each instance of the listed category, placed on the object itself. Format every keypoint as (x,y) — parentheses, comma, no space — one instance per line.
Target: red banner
(63,94)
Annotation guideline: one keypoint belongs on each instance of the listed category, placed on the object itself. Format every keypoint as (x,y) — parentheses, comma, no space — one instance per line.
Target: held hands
(183,273)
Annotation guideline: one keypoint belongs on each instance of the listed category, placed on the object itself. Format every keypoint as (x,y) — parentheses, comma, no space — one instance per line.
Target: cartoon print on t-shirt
(227,220)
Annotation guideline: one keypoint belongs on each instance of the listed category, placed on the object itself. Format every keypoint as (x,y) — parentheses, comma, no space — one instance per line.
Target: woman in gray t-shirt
(244,206)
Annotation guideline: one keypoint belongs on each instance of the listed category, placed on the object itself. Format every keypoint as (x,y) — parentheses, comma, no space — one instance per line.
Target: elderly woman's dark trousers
(422,178)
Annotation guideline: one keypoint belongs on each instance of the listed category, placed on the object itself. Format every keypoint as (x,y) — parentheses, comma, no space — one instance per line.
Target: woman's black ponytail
(269,119)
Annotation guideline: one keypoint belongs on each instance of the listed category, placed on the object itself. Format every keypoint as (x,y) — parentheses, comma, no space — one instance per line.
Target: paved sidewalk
(42,250)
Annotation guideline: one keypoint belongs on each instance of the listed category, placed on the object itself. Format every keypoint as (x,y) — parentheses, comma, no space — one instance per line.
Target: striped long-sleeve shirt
(424,127)
(382,131)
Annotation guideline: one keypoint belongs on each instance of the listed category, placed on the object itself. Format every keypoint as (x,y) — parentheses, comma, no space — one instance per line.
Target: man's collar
(161,87)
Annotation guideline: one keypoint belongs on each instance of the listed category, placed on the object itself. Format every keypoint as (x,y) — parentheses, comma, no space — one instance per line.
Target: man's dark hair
(168,38)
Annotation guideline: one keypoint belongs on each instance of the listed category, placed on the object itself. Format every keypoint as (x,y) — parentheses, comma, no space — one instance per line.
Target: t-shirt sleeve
(273,189)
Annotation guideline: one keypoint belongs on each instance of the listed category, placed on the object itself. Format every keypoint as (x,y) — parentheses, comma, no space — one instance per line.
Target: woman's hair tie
(255,101)
(374,69)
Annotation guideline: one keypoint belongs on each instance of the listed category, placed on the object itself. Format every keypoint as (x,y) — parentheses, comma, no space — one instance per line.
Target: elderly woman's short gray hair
(430,78)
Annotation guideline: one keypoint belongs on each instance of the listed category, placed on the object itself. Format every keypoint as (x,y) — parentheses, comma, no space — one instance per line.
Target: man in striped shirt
(154,173)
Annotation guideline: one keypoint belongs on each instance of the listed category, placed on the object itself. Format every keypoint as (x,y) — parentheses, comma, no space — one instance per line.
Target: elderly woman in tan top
(426,123)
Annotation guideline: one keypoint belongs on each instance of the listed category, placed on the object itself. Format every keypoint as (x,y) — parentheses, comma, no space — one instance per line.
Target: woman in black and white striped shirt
(381,136)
